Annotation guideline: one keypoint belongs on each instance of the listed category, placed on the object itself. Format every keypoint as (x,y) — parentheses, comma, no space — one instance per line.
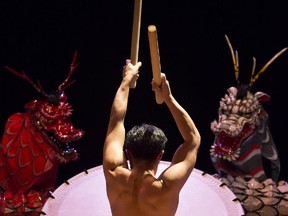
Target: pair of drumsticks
(153,45)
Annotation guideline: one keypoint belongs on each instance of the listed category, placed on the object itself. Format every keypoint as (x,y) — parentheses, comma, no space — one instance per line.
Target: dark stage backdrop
(40,37)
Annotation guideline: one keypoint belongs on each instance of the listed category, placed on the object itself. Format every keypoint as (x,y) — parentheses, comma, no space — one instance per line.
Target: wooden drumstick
(135,36)
(155,57)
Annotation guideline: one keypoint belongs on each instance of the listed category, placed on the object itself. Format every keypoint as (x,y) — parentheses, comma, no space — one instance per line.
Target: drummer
(133,189)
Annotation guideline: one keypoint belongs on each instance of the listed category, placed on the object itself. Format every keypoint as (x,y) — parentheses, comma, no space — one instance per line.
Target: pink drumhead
(85,195)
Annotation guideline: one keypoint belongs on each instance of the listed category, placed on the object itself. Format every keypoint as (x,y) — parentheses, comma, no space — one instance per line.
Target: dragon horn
(234,58)
(73,67)
(25,77)
(254,78)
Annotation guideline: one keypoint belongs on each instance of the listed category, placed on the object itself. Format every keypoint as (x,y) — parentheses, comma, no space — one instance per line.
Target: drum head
(85,195)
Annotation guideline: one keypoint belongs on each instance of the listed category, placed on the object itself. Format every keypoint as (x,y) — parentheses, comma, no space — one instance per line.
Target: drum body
(85,194)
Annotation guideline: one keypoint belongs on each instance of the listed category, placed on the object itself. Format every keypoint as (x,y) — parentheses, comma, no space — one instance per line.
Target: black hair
(145,142)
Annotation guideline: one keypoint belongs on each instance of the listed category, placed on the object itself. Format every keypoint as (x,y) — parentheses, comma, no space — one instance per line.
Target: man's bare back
(140,194)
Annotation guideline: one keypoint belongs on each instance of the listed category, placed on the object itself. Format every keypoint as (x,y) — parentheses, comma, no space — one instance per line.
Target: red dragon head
(51,115)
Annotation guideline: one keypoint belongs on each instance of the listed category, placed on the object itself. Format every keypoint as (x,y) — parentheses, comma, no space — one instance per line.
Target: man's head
(145,142)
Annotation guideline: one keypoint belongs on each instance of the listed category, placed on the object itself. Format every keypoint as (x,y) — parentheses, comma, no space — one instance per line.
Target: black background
(40,38)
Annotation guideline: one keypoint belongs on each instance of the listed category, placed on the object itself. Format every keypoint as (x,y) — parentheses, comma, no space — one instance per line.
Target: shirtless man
(133,189)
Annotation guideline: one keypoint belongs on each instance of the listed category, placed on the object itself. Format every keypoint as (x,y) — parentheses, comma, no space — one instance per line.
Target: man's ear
(129,158)
(160,155)
(128,155)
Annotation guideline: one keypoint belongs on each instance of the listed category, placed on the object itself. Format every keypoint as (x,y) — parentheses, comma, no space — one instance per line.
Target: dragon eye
(63,97)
